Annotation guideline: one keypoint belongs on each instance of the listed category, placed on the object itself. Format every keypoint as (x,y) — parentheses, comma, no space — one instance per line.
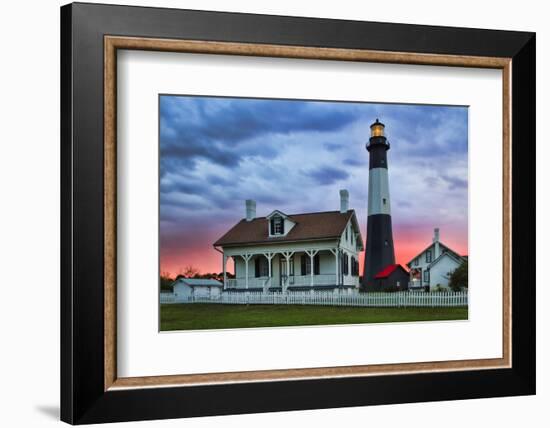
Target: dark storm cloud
(216,129)
(328,175)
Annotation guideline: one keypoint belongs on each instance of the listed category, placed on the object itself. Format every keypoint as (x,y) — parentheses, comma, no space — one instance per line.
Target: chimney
(250,210)
(436,242)
(344,201)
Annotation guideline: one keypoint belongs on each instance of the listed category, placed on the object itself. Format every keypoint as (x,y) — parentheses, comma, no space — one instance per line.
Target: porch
(292,270)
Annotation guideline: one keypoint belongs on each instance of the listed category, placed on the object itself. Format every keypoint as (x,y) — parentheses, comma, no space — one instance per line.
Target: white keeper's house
(433,266)
(293,252)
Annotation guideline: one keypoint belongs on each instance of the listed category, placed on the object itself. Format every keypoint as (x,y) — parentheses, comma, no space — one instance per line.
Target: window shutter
(256,267)
(346,261)
(272,226)
(316,264)
(303,264)
(282,226)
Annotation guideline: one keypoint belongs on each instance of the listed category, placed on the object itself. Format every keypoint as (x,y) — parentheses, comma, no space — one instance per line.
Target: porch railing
(305,280)
(293,280)
(252,282)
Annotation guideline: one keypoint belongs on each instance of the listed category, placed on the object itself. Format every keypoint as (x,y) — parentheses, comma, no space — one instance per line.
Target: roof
(442,245)
(388,270)
(200,282)
(309,226)
(457,258)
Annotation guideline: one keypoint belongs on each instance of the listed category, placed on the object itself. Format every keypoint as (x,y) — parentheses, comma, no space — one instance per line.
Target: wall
(29,173)
(181,289)
(439,273)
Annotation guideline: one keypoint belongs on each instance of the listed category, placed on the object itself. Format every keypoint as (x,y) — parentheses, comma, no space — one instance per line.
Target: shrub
(166,283)
(459,278)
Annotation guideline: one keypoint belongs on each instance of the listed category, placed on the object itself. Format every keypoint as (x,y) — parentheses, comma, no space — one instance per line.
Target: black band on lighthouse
(378,158)
(379,252)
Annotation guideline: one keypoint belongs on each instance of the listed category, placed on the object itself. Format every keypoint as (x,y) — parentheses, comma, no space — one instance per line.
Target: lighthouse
(379,252)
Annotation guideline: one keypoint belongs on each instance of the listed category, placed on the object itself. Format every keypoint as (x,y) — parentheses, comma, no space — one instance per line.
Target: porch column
(311,254)
(287,255)
(335,252)
(224,261)
(246,258)
(269,257)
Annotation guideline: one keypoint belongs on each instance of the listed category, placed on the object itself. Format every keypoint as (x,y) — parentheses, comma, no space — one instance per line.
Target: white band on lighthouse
(379,192)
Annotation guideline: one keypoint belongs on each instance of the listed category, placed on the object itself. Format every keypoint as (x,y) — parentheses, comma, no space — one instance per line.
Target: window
(305,263)
(261,268)
(386,243)
(291,261)
(426,276)
(384,201)
(264,267)
(354,267)
(415,262)
(429,256)
(346,233)
(345,264)
(278,225)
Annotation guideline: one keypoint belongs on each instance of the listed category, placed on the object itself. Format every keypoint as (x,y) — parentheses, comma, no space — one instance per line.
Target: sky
(295,156)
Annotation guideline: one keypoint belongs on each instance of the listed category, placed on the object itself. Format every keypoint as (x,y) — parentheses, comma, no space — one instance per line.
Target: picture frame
(91,391)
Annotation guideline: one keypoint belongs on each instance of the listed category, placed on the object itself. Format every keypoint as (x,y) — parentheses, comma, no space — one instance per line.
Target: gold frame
(113,43)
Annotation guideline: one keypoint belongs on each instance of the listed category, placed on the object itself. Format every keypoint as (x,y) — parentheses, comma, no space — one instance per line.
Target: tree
(166,281)
(188,271)
(459,278)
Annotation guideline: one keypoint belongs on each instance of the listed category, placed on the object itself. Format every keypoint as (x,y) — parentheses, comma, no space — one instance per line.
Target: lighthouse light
(377,129)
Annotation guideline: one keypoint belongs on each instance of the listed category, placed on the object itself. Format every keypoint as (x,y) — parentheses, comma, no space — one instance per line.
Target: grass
(201,316)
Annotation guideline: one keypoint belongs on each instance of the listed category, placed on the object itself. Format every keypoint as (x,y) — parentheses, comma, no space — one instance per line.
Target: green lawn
(199,316)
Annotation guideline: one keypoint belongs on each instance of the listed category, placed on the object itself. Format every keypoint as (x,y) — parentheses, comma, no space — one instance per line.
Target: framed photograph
(266,213)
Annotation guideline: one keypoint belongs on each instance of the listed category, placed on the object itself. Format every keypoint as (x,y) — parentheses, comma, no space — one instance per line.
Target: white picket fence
(323,298)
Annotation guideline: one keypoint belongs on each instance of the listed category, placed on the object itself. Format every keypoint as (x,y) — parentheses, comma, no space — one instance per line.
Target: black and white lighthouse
(379,251)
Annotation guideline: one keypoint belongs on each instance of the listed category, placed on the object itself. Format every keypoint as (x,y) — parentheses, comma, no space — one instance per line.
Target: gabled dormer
(279,224)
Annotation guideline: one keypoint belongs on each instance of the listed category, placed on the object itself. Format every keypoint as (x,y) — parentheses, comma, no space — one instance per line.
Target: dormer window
(277,225)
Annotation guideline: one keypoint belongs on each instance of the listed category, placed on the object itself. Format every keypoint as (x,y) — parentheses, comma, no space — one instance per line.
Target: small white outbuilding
(196,287)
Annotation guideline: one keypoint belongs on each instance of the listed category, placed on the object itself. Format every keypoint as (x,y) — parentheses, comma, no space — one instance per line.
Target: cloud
(328,175)
(217,129)
(333,147)
(353,162)
(455,182)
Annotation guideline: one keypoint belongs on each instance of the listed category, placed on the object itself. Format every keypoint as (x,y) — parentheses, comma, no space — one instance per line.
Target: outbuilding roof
(309,226)
(200,282)
(388,270)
